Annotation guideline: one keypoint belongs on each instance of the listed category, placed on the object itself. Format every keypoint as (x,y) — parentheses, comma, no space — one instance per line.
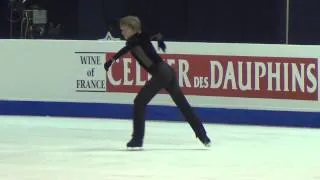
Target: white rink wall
(218,79)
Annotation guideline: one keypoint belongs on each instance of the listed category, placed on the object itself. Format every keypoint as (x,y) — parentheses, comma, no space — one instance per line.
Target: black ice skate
(135,143)
(205,140)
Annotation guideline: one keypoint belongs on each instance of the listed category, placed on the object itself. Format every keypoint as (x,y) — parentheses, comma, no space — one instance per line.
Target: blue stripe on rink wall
(167,113)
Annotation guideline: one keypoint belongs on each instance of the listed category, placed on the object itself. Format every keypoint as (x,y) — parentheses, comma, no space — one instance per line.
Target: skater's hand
(108,64)
(162,45)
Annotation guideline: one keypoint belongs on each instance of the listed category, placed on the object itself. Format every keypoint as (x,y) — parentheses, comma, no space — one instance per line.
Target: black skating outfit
(163,77)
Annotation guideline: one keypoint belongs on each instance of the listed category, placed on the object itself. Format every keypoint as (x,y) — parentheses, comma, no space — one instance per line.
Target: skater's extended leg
(184,106)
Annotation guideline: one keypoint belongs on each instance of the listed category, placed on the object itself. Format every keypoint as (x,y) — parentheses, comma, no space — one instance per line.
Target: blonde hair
(131,21)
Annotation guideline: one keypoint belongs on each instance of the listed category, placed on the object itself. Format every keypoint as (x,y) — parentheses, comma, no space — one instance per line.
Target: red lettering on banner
(230,76)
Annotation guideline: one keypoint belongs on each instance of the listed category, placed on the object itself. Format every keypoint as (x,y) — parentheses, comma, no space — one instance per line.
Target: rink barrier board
(164,113)
(67,78)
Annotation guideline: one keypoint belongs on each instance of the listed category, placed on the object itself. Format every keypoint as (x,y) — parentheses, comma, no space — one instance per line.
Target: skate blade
(208,145)
(134,148)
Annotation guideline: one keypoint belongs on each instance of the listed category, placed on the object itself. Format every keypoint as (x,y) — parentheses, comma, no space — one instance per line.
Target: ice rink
(46,148)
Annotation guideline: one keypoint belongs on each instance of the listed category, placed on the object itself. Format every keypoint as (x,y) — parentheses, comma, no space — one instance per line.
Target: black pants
(163,78)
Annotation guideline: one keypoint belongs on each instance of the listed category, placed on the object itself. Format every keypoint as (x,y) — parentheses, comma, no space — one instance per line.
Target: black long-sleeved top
(142,49)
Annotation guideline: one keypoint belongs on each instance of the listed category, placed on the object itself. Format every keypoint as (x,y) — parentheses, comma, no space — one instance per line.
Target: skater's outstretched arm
(159,38)
(121,52)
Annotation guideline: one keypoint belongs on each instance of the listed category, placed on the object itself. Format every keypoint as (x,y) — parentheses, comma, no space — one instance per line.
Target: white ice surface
(46,148)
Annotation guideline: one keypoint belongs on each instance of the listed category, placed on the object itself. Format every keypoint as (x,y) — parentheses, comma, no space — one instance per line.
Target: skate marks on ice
(125,149)
(34,148)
